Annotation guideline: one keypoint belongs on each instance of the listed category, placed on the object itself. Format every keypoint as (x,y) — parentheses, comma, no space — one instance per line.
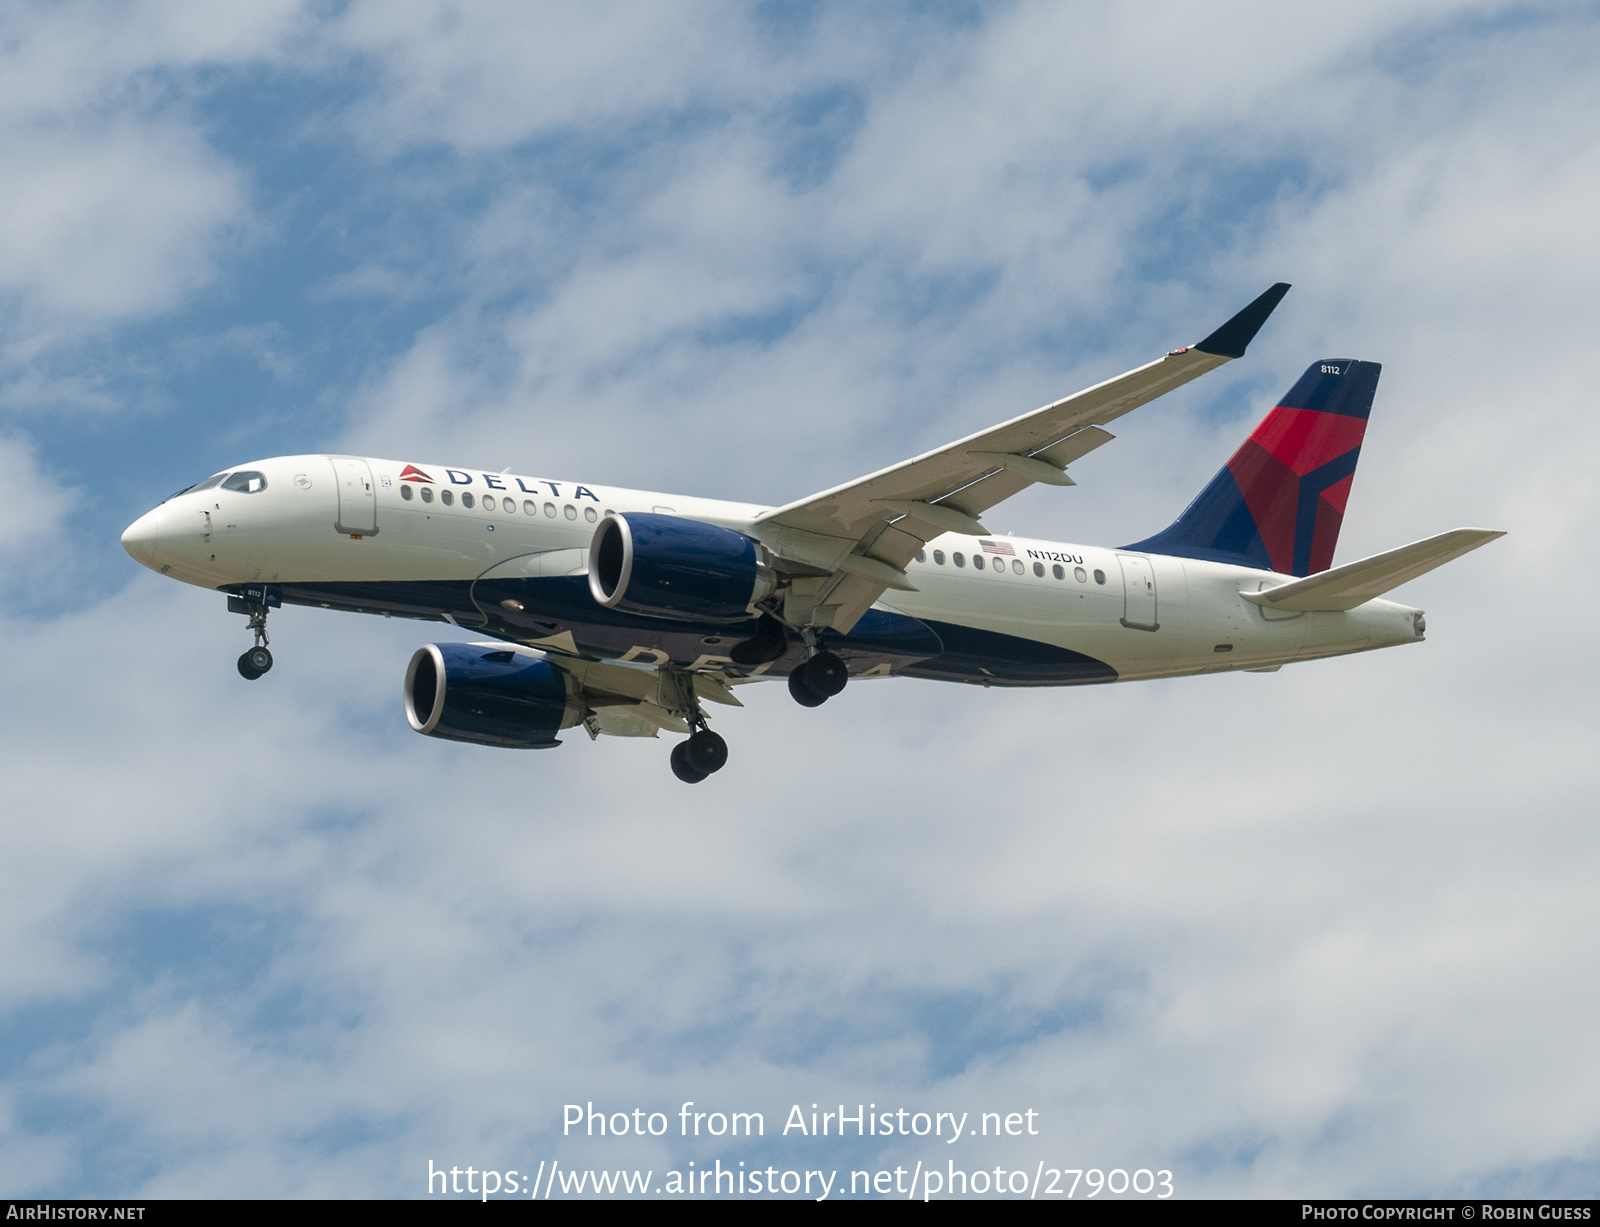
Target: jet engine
(669,567)
(473,692)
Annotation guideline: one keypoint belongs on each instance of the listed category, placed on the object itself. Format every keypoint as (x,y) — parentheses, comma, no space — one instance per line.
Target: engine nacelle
(670,567)
(489,696)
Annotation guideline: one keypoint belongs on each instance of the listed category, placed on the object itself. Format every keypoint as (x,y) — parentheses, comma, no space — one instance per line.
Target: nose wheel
(254,663)
(257,660)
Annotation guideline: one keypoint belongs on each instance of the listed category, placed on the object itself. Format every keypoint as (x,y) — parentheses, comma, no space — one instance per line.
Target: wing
(856,539)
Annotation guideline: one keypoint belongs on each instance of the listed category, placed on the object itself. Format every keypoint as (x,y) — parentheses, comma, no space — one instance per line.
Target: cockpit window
(246,481)
(214,480)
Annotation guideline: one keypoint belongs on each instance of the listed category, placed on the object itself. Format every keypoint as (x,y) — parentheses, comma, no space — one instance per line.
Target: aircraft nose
(142,538)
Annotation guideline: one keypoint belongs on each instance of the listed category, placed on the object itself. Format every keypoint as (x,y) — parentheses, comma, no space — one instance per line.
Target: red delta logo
(412,473)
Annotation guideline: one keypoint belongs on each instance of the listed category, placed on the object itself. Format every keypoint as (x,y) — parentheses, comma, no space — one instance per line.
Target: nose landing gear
(255,602)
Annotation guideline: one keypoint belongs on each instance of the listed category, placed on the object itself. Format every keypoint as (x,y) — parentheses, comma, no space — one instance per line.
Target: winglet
(1232,338)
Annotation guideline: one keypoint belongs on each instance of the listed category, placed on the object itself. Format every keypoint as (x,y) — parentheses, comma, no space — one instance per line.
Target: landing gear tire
(826,674)
(800,688)
(705,752)
(681,767)
(254,663)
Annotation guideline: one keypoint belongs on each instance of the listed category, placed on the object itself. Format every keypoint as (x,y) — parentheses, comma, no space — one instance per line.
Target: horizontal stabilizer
(1355,583)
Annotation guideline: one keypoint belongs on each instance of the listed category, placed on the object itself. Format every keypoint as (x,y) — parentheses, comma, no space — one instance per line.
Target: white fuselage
(1143,615)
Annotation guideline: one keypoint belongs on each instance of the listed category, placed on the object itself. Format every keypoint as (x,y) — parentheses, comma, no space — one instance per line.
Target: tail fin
(1279,503)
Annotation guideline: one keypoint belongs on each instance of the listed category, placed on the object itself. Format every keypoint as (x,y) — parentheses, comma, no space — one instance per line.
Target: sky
(1325,932)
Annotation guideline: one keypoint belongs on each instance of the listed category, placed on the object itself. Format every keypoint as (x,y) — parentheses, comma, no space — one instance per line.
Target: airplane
(626,612)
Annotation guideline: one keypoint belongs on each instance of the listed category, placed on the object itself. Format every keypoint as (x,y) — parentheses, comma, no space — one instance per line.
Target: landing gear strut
(257,660)
(704,753)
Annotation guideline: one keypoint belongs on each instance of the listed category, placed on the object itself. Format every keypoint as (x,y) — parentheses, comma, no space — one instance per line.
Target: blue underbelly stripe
(555,605)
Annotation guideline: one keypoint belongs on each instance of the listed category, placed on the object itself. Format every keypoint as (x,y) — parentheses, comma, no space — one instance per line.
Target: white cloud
(482,76)
(116,204)
(104,225)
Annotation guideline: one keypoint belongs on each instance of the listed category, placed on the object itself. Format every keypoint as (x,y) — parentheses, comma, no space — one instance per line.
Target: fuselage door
(358,497)
(1139,593)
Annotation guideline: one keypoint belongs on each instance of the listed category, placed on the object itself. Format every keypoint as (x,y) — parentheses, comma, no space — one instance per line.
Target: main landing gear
(704,753)
(818,679)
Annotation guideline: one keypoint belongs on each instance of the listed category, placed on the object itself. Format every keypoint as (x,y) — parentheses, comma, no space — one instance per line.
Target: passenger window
(405,492)
(427,494)
(1016,565)
(531,507)
(590,514)
(1079,574)
(570,512)
(550,510)
(958,559)
(938,557)
(1038,569)
(1099,577)
(246,482)
(447,497)
(922,555)
(1059,571)
(466,498)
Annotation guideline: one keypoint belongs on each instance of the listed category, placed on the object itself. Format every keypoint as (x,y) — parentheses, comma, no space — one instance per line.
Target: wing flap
(1355,583)
(1075,446)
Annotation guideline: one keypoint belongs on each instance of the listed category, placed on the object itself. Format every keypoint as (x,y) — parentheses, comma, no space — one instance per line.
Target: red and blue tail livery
(1279,502)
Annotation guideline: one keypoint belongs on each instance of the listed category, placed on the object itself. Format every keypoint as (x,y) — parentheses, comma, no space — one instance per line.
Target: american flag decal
(997,547)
